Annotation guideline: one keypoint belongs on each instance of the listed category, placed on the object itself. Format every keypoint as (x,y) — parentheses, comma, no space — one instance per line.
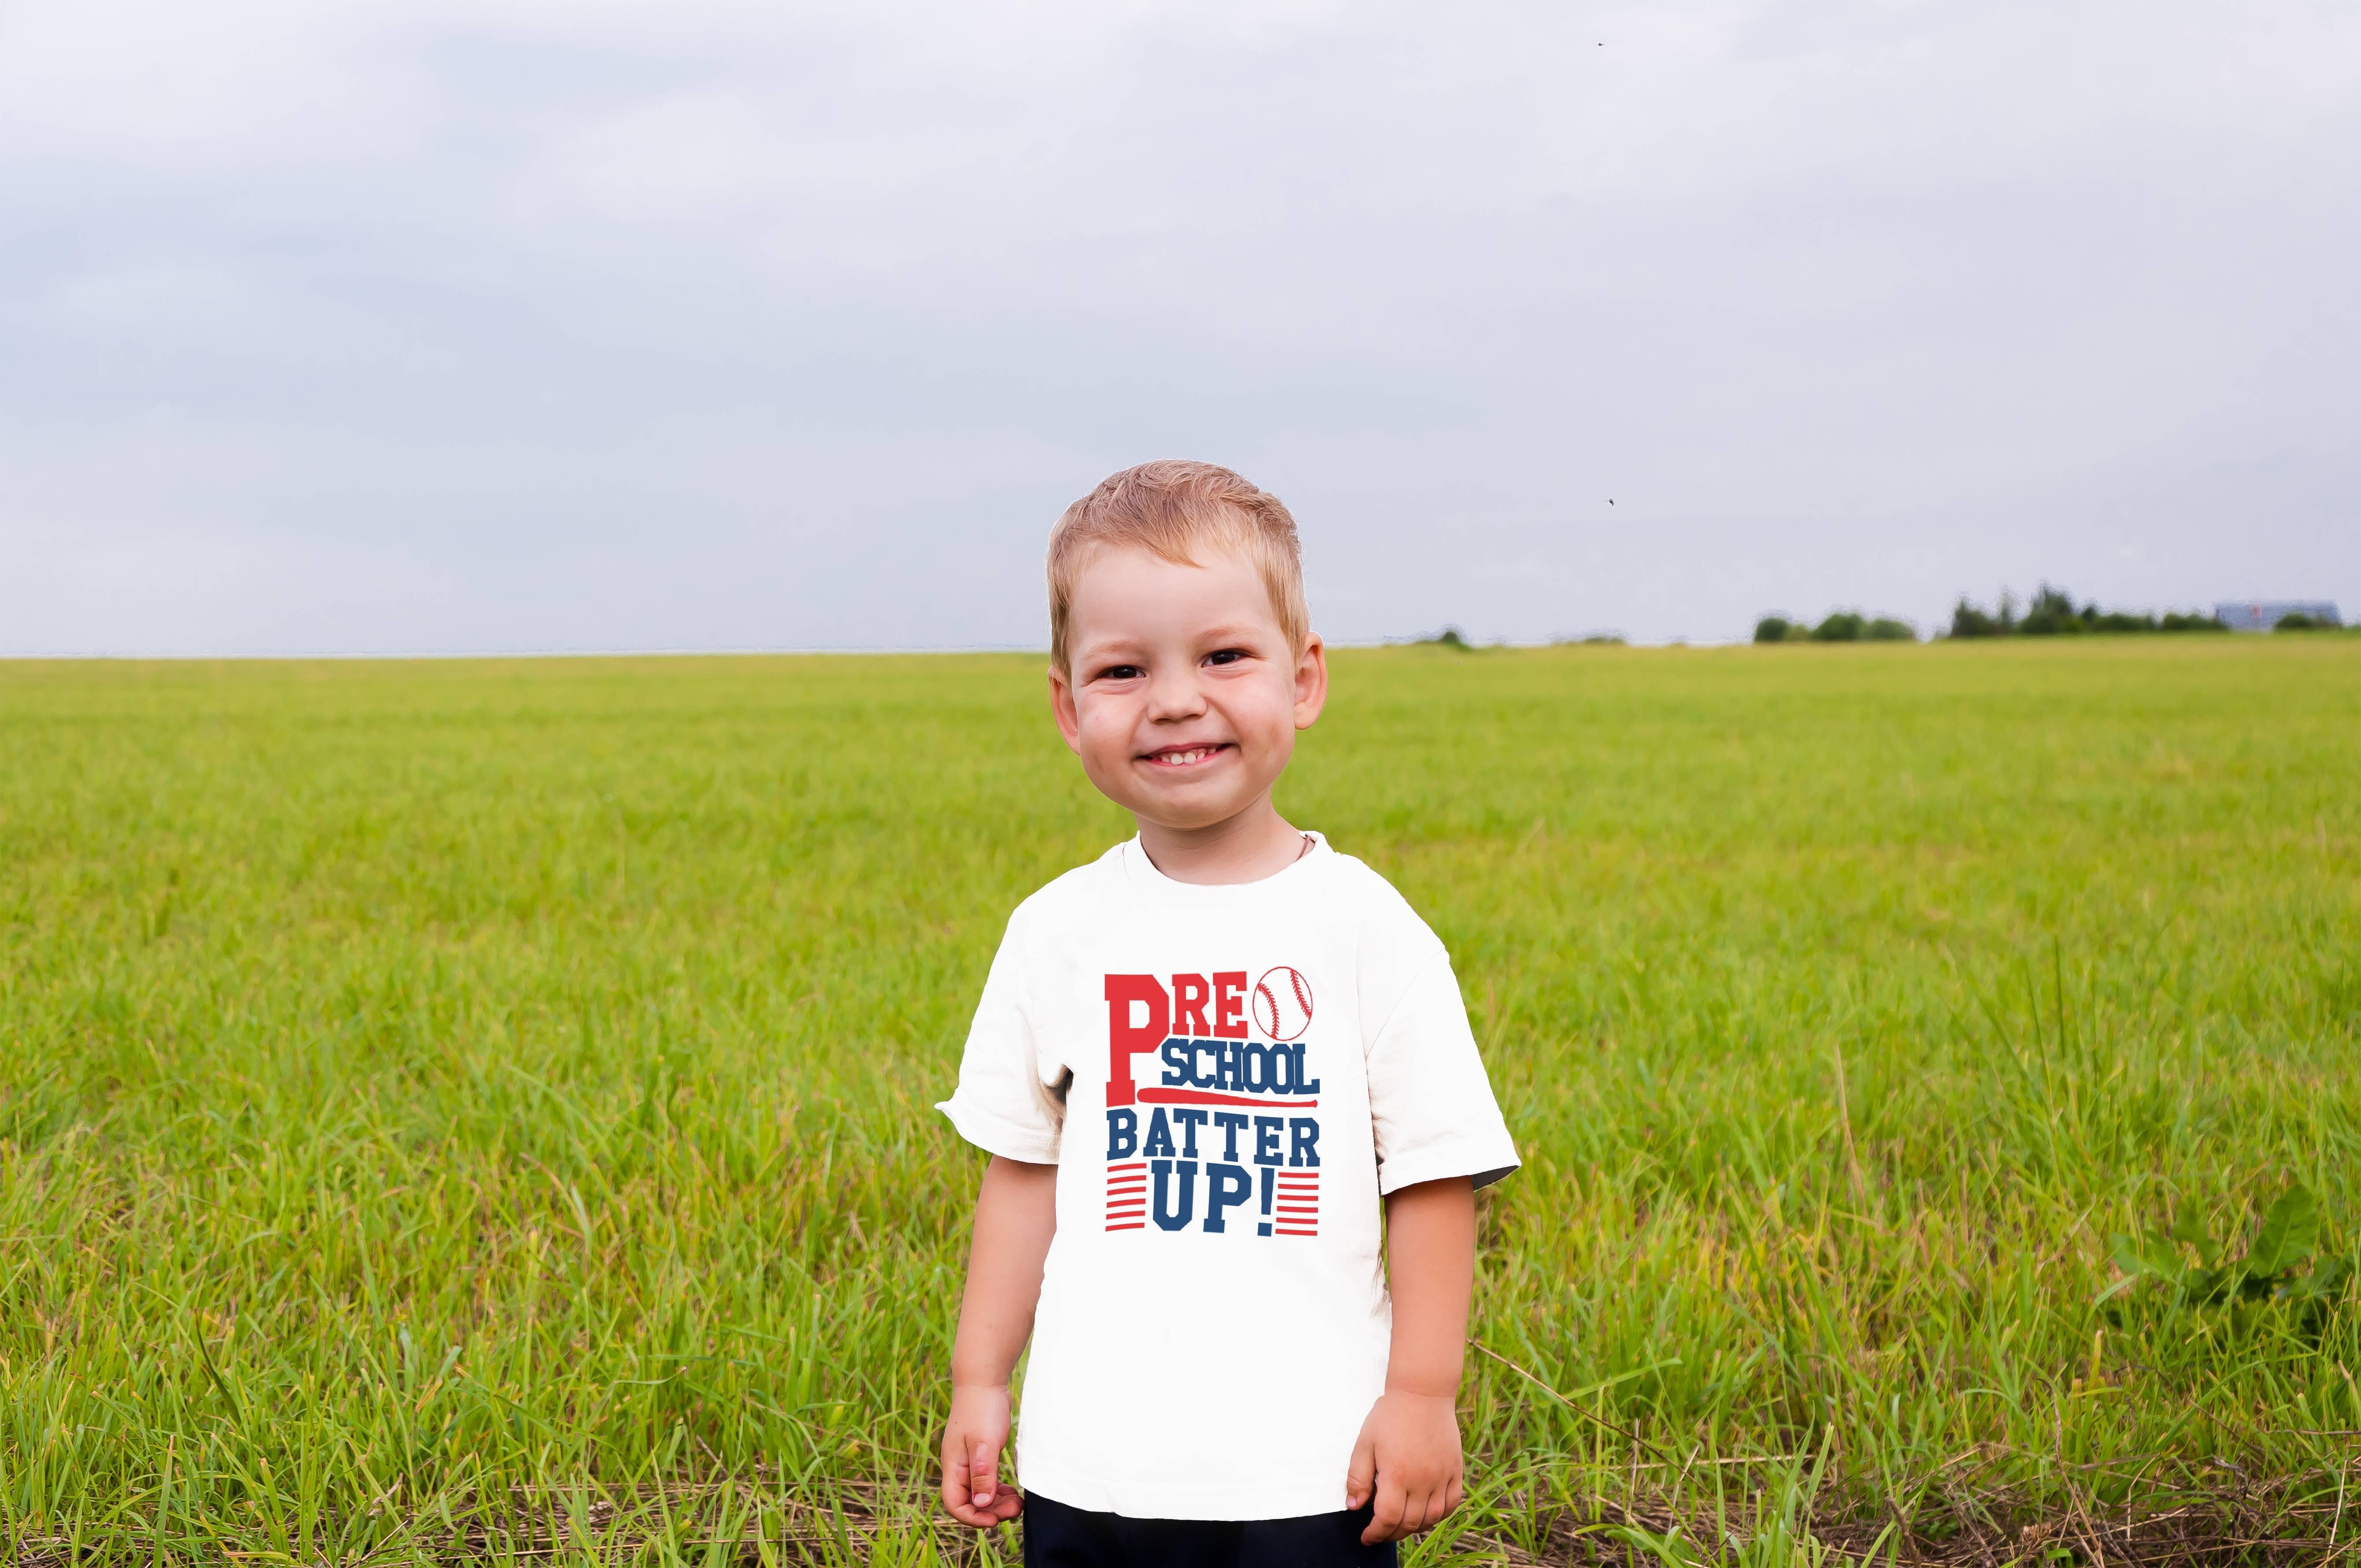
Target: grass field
(483,1109)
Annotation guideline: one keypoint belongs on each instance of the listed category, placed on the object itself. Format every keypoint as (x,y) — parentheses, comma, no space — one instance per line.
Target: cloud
(428,327)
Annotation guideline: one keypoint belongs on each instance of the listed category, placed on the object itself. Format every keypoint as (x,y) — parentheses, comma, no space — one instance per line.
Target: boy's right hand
(973,1493)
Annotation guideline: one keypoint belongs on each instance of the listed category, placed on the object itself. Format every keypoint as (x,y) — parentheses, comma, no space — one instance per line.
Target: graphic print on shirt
(1222,1140)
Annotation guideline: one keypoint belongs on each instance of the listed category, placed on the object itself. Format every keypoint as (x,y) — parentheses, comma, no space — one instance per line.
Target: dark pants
(1058,1537)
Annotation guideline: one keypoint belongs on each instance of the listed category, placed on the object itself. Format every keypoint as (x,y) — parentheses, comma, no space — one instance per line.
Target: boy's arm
(1407,1461)
(1015,1215)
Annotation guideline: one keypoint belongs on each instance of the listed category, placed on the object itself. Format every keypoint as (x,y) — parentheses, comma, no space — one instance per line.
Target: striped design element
(1298,1203)
(1126,1196)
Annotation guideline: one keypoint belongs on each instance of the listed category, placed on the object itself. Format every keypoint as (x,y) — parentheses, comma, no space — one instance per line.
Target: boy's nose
(1174,697)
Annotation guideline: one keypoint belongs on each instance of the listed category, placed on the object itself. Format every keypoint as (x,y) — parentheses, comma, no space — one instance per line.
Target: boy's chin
(1186,810)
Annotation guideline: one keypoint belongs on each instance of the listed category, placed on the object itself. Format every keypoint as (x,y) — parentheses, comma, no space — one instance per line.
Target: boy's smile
(1182,700)
(1185,756)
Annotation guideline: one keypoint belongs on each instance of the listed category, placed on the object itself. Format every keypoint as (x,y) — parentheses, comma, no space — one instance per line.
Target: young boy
(1200,1065)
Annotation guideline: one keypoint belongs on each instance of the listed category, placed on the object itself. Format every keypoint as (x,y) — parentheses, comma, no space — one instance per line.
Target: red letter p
(1123,1041)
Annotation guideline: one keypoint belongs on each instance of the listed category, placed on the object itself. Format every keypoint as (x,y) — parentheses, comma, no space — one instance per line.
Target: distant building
(2261,615)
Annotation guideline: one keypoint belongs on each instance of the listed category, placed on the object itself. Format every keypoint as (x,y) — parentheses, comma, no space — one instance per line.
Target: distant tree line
(2052,614)
(1844,626)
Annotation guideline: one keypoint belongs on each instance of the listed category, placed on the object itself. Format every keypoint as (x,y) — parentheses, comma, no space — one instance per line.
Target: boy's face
(1181,696)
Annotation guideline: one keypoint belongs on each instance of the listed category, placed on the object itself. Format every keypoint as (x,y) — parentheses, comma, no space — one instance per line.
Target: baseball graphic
(1282,1002)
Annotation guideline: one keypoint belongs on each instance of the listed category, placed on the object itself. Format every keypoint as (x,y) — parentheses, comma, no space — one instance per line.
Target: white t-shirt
(1227,1078)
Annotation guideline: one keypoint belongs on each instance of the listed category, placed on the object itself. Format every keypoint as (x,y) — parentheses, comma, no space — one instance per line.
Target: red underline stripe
(1205,1097)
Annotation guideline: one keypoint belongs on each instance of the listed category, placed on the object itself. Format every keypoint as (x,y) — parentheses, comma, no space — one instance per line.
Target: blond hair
(1176,509)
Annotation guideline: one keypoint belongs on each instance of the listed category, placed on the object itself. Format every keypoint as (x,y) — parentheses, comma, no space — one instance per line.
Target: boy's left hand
(1407,1465)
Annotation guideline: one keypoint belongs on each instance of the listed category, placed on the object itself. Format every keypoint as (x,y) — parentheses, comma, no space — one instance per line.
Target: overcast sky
(431,327)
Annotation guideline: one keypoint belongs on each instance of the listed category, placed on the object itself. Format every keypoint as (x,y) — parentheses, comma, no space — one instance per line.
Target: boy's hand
(972,1440)
(1016,1216)
(1408,1460)
(1406,1466)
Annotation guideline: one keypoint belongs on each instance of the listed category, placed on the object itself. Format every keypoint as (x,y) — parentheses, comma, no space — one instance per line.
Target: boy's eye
(1121,673)
(1227,656)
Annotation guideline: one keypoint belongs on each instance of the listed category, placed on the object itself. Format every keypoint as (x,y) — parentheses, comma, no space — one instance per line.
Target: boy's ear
(1061,705)
(1311,682)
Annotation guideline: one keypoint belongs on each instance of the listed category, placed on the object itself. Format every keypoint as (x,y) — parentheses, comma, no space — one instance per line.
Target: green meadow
(482,1111)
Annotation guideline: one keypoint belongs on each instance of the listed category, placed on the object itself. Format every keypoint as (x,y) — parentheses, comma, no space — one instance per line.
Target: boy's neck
(1256,843)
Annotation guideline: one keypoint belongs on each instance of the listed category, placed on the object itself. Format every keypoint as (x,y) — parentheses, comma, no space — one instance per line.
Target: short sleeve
(1430,1103)
(1001,1105)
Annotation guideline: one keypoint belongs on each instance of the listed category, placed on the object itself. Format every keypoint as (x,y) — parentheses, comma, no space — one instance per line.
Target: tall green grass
(485,1107)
